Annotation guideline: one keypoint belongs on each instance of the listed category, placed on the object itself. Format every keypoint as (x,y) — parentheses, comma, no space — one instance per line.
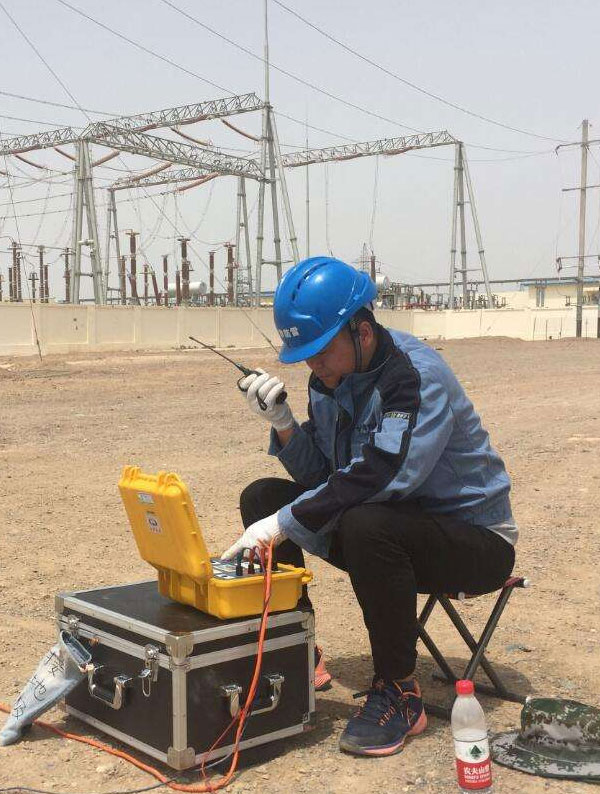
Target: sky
(530,66)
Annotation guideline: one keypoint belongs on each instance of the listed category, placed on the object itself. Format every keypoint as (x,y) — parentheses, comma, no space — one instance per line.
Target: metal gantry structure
(203,162)
(463,194)
(462,180)
(384,146)
(129,134)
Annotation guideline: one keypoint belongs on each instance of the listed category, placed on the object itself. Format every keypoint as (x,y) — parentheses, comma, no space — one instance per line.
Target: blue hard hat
(313,302)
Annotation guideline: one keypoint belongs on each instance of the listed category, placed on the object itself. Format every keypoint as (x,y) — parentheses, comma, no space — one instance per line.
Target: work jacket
(404,429)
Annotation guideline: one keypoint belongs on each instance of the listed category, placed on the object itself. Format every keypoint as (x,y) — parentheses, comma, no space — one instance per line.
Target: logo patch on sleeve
(397,415)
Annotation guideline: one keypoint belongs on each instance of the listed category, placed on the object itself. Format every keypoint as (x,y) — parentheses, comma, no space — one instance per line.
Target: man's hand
(268,389)
(260,534)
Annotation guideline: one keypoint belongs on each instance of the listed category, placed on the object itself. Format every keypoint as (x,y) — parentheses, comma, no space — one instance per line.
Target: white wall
(67,328)
(555,296)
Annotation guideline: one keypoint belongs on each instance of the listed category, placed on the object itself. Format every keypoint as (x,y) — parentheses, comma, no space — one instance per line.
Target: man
(394,480)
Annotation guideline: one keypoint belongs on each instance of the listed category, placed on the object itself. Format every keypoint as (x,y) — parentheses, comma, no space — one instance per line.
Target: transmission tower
(462,178)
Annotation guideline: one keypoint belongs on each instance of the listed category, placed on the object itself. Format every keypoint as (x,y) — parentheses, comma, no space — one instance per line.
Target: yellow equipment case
(168,536)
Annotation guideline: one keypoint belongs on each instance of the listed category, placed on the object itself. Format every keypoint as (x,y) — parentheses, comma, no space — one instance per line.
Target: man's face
(335,361)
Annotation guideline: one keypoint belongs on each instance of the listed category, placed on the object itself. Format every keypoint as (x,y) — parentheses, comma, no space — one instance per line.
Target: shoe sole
(389,749)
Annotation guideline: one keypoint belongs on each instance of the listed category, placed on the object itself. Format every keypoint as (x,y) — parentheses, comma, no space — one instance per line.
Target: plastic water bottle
(471,748)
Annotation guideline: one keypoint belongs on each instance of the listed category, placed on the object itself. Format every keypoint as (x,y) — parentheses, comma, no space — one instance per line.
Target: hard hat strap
(358,361)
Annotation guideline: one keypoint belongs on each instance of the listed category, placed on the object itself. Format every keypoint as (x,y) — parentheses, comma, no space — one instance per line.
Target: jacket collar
(352,386)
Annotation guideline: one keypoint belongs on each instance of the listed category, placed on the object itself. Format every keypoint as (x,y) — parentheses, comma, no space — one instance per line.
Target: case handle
(114,700)
(232,693)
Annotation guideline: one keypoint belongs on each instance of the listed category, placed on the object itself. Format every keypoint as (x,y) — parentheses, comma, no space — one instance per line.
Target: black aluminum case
(197,672)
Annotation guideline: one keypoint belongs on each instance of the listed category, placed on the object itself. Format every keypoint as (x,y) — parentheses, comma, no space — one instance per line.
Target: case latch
(149,674)
(232,693)
(73,625)
(114,699)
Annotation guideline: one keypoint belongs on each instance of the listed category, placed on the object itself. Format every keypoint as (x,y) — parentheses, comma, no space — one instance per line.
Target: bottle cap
(464,687)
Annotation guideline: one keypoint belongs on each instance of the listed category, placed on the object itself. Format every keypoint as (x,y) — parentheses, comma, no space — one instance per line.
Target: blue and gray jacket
(404,429)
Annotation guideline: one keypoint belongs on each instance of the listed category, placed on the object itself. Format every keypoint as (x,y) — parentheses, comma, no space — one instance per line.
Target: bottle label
(473,764)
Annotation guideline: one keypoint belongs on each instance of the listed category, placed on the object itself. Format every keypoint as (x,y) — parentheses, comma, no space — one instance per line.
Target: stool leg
(478,648)
(427,609)
(449,674)
(486,634)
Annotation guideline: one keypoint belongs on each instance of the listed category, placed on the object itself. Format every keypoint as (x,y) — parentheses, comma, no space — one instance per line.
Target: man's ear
(366,332)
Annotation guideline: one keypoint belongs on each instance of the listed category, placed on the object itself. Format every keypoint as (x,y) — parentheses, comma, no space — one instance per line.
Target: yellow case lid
(164,522)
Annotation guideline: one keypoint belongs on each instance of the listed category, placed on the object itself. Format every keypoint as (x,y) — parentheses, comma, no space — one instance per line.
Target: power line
(176,65)
(291,75)
(312,86)
(55,104)
(143,48)
(184,69)
(38,53)
(483,160)
(410,84)
(35,121)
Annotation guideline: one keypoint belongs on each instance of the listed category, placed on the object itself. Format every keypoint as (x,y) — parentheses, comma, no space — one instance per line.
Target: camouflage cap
(558,738)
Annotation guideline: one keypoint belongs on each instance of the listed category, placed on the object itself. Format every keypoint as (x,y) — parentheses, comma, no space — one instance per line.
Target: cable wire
(141,47)
(302,123)
(291,75)
(410,84)
(39,101)
(312,86)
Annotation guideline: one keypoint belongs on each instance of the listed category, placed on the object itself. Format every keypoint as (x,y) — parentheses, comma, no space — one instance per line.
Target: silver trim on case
(122,737)
(71,601)
(309,624)
(116,643)
(154,753)
(146,630)
(246,627)
(241,651)
(283,733)
(179,645)
(181,759)
(179,677)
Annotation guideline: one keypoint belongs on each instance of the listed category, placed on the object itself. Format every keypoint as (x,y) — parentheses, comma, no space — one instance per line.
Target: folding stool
(477,647)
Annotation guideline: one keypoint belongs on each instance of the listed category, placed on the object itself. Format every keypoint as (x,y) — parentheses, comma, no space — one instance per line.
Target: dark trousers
(392,551)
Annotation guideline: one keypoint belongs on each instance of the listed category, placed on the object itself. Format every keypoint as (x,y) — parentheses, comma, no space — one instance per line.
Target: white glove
(268,389)
(260,534)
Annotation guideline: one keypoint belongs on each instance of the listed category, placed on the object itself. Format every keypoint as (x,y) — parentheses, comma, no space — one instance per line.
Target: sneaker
(392,711)
(322,677)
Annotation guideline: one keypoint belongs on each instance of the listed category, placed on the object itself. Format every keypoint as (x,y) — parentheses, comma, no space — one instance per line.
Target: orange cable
(240,718)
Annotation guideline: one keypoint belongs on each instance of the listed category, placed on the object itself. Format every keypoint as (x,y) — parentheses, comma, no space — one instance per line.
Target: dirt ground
(68,426)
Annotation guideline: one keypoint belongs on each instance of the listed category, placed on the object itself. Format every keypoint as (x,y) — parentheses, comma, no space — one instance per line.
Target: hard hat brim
(292,355)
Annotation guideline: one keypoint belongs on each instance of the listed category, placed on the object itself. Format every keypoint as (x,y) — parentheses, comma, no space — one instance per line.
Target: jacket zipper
(339,426)
(335,440)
